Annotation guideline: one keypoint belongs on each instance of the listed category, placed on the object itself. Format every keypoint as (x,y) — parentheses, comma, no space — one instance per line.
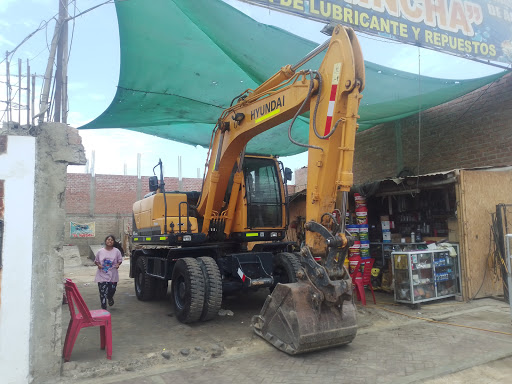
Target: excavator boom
(317,311)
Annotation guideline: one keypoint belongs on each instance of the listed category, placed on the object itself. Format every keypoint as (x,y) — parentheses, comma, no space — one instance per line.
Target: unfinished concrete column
(57,145)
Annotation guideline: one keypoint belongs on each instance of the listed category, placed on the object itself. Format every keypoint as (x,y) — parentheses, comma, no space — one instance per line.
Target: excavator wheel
(286,266)
(144,284)
(187,287)
(213,288)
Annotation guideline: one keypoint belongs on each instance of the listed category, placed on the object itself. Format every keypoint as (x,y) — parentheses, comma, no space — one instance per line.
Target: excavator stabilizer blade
(295,320)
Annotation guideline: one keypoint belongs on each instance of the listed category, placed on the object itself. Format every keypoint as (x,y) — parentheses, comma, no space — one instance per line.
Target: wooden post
(43,105)
(64,45)
(57,102)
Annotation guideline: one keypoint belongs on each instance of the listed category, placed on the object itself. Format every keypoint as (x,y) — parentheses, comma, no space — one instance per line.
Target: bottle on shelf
(418,235)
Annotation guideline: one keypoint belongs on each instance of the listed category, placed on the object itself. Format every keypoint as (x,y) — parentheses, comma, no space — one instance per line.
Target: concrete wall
(17,169)
(34,170)
(57,146)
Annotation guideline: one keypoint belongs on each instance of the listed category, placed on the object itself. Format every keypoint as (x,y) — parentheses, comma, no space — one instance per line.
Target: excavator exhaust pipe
(314,313)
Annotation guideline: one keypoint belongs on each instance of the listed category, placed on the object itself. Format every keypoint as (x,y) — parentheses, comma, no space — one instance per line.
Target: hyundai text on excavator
(230,237)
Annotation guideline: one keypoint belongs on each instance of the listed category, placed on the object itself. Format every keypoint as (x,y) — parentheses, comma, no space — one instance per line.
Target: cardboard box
(396,238)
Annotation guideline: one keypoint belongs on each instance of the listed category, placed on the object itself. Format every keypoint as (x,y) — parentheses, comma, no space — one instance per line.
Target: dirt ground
(146,335)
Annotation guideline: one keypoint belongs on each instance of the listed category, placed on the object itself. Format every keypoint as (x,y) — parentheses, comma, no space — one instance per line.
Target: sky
(94,71)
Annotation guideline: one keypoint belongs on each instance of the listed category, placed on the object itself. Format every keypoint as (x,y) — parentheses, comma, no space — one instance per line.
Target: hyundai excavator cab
(231,236)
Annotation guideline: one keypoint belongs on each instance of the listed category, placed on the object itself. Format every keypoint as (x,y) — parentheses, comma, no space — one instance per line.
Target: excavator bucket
(317,311)
(294,320)
(313,313)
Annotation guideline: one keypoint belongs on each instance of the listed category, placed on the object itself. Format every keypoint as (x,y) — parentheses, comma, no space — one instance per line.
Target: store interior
(412,236)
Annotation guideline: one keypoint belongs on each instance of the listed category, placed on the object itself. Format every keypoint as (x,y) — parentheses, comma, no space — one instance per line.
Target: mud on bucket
(295,320)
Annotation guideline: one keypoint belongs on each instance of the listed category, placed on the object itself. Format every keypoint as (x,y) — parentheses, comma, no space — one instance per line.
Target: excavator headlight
(238,117)
(187,238)
(273,234)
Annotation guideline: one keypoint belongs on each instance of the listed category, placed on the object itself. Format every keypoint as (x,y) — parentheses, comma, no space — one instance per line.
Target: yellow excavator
(230,236)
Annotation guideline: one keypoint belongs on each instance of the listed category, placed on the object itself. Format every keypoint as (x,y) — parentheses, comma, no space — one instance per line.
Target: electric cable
(486,263)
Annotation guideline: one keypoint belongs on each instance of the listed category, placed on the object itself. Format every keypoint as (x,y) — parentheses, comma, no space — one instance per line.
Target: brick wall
(113,194)
(78,196)
(107,201)
(472,131)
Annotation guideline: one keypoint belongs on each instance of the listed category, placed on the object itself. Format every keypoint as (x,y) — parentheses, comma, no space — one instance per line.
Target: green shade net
(183,62)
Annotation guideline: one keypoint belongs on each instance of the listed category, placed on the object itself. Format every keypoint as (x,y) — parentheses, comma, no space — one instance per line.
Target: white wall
(17,169)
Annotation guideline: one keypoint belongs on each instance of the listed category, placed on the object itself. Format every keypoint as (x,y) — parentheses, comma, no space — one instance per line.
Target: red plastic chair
(364,279)
(356,272)
(85,318)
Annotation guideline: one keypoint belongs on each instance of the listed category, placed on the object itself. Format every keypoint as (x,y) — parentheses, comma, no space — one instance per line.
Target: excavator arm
(331,94)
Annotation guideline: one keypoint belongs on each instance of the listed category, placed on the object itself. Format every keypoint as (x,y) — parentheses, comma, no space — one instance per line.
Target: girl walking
(108,260)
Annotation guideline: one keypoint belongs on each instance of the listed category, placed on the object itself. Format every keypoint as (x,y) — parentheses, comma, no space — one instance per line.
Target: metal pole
(28,94)
(508,238)
(138,165)
(7,86)
(93,163)
(19,91)
(65,98)
(33,98)
(311,54)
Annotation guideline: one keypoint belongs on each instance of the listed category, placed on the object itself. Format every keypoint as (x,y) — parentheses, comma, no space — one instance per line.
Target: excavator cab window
(262,183)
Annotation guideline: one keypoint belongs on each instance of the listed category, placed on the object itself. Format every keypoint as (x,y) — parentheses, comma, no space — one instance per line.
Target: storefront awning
(183,62)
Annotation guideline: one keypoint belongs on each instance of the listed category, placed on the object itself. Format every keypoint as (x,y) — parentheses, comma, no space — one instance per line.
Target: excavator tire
(286,266)
(187,290)
(213,288)
(144,284)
